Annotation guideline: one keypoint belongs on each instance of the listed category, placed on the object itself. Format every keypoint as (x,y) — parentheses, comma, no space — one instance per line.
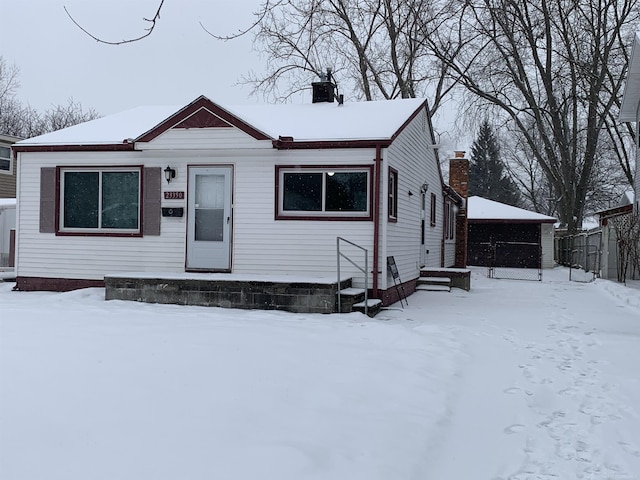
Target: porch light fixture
(169,174)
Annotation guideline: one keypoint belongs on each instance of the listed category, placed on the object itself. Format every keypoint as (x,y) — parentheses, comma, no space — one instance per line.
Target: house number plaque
(174,195)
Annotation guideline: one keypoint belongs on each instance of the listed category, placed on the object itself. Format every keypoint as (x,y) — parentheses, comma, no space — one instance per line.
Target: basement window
(324,193)
(100,200)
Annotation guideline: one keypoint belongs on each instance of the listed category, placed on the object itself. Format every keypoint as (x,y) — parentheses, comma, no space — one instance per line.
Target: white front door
(209,218)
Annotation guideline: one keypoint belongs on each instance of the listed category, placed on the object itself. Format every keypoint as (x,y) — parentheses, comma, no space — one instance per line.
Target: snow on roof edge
(479,208)
(370,121)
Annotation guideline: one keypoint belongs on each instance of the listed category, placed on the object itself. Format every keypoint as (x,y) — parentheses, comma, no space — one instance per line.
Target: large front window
(323,192)
(100,200)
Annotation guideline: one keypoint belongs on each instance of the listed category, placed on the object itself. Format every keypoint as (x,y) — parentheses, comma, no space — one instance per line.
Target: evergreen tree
(487,177)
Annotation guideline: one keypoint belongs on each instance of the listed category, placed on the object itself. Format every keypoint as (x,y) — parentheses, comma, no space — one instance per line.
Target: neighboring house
(251,190)
(504,236)
(7,167)
(7,232)
(630,108)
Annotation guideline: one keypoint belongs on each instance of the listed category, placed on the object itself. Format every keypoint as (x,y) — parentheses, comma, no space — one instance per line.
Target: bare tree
(553,69)
(373,47)
(21,120)
(150,22)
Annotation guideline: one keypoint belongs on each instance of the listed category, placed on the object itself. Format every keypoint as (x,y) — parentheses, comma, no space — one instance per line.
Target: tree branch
(149,30)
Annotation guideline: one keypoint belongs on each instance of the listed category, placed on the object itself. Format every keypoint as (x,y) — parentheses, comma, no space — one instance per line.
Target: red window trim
(339,218)
(88,233)
(392,216)
(432,215)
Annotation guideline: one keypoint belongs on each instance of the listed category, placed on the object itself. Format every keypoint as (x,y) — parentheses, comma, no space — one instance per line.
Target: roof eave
(288,143)
(631,95)
(510,220)
(87,147)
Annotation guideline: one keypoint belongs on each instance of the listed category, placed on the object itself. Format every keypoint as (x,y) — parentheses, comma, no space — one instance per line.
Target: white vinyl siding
(264,245)
(79,257)
(260,244)
(412,155)
(204,139)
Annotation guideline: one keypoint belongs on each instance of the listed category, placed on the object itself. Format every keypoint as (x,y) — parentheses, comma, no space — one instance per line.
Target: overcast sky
(173,66)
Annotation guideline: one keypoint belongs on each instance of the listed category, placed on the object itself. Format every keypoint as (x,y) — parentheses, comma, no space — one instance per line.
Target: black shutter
(151,201)
(48,200)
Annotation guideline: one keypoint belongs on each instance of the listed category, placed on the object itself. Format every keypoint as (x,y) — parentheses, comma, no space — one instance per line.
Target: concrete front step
(433,288)
(434,284)
(460,277)
(349,297)
(435,280)
(374,306)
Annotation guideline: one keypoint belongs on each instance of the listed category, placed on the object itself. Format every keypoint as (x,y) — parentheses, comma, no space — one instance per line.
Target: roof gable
(202,113)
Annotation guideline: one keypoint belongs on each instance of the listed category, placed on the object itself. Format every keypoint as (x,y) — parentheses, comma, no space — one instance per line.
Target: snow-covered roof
(107,130)
(479,208)
(375,120)
(330,121)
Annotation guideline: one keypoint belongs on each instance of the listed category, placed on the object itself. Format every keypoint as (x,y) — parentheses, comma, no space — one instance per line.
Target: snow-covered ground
(513,380)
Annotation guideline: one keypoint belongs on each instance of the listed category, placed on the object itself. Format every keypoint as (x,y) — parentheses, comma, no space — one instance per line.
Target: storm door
(209,218)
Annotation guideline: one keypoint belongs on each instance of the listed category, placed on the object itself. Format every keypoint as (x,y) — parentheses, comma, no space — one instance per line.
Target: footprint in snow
(630,449)
(515,428)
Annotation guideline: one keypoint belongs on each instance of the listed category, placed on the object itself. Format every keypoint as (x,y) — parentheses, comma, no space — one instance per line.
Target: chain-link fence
(581,253)
(515,260)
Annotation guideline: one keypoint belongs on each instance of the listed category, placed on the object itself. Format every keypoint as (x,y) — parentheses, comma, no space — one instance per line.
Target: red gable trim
(288,143)
(203,118)
(193,108)
(107,147)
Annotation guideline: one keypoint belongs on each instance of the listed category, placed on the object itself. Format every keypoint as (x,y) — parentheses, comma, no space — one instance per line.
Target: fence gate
(581,253)
(515,260)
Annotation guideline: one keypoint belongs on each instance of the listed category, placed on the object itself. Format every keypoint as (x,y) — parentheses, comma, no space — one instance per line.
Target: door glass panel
(209,208)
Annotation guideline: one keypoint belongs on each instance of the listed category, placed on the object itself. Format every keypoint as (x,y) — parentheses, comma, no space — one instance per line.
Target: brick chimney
(459,174)
(459,181)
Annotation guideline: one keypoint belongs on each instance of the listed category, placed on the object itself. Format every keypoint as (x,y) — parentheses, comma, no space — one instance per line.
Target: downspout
(376,219)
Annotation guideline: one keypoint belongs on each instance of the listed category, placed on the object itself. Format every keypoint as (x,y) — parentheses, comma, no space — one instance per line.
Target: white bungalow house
(252,191)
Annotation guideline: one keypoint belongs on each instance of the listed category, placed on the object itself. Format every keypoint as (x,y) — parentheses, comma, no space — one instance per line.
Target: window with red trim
(323,192)
(100,200)
(433,210)
(392,206)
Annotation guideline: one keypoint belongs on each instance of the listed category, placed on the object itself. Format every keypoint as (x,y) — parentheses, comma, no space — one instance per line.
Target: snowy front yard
(513,380)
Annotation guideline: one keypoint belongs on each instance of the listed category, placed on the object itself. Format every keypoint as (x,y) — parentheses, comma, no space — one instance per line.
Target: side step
(374,306)
(434,284)
(352,300)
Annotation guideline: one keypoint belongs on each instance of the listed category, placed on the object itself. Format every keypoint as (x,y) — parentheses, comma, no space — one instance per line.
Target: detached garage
(504,236)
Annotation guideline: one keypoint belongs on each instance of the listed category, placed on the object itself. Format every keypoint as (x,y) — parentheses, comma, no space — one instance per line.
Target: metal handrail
(364,270)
